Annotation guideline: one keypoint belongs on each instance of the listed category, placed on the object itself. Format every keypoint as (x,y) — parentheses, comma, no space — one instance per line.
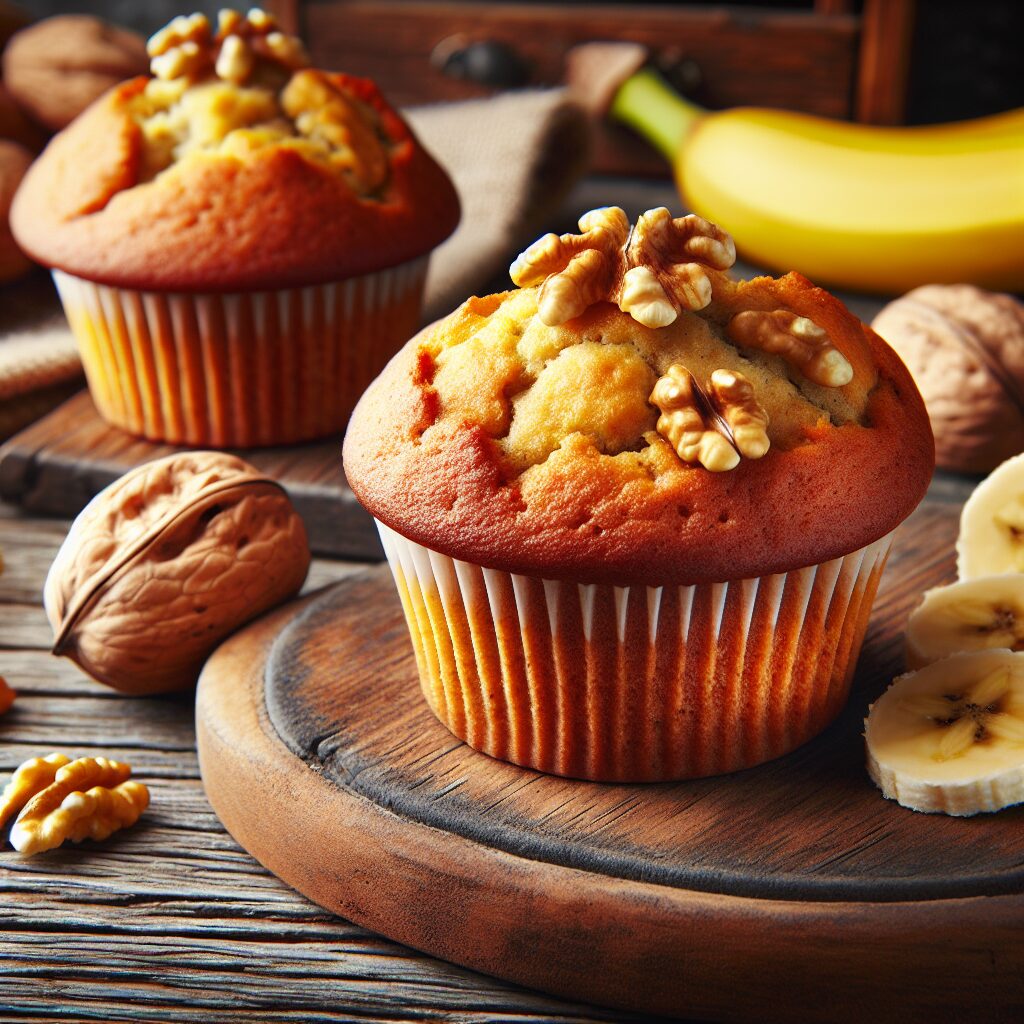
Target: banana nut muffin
(268,220)
(637,510)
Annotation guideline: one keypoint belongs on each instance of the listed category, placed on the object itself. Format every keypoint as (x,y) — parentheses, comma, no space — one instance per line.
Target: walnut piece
(669,259)
(31,777)
(236,61)
(800,341)
(733,396)
(714,427)
(188,47)
(7,695)
(166,562)
(89,798)
(652,273)
(575,271)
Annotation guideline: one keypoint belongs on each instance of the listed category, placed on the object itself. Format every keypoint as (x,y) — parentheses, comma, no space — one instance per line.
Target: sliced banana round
(950,737)
(992,524)
(972,615)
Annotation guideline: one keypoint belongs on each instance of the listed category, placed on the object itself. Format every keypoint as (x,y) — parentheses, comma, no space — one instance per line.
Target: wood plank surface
(56,465)
(172,921)
(439,845)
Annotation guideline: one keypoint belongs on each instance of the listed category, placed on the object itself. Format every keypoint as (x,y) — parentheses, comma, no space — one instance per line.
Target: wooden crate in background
(832,57)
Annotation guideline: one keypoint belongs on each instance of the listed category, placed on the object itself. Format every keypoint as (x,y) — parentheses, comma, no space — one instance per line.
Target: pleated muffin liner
(240,369)
(634,683)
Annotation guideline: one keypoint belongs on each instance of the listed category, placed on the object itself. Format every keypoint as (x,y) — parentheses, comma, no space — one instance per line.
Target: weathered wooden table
(171,920)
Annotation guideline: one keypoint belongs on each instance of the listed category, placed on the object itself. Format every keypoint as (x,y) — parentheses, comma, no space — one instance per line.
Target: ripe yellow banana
(862,207)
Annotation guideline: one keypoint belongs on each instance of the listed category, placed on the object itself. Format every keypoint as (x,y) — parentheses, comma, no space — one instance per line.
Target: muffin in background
(636,511)
(240,241)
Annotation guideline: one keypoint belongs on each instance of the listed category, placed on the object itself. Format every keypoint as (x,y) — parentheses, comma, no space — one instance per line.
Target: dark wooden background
(965,57)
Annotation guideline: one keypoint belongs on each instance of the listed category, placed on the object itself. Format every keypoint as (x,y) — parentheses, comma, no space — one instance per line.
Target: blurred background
(930,61)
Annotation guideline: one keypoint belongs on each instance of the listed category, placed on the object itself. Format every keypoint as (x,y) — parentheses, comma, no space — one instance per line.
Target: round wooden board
(788,892)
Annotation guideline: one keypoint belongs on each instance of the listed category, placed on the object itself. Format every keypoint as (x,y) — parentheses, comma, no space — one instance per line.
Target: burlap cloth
(513,159)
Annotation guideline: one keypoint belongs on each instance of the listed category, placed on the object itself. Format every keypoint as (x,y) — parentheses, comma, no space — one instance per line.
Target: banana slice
(992,524)
(972,615)
(950,737)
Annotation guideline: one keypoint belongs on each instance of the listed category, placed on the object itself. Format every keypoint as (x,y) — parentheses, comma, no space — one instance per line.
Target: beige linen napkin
(513,159)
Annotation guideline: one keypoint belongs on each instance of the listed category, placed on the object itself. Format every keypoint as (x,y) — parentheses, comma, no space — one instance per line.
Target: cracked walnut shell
(166,562)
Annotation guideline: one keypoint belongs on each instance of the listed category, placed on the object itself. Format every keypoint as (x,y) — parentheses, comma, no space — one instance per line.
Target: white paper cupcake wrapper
(240,369)
(634,683)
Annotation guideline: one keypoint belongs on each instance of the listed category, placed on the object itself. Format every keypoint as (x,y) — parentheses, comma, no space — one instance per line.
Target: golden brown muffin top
(748,427)
(235,165)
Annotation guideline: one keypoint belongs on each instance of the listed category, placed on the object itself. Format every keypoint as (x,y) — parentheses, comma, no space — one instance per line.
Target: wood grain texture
(830,903)
(171,921)
(56,465)
(792,59)
(888,28)
(720,56)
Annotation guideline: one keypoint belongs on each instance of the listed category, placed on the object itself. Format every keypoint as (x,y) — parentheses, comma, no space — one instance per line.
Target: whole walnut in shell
(166,562)
(965,349)
(57,67)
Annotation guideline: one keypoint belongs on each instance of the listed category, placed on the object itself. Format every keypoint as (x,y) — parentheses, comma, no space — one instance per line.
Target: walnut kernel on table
(60,799)
(167,561)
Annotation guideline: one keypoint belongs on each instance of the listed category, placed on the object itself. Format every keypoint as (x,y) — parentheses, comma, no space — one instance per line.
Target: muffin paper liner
(634,683)
(239,369)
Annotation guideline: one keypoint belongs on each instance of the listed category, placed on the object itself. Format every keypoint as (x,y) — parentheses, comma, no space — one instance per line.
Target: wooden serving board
(56,465)
(788,892)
